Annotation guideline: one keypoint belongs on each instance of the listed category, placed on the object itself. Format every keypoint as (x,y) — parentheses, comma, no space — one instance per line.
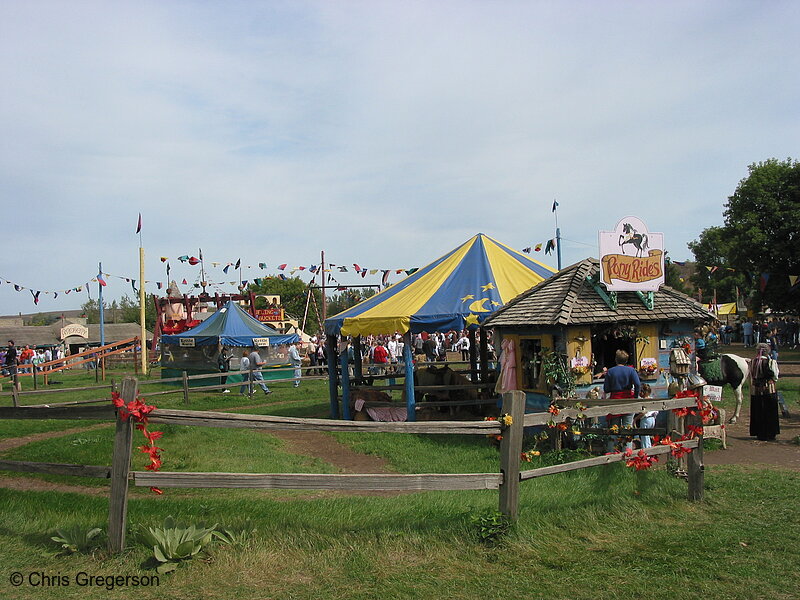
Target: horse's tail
(644,242)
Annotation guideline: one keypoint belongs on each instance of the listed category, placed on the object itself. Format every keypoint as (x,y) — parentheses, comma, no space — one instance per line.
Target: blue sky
(383,133)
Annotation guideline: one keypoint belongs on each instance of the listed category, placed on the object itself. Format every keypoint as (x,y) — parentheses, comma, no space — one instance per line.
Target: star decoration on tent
(495,303)
(467,297)
(488,286)
(472,319)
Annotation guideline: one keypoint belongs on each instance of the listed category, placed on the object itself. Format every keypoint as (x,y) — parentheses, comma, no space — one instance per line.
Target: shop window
(607,340)
(531,363)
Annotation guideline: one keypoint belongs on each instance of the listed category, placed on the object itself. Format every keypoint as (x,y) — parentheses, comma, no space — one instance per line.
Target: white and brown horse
(734,372)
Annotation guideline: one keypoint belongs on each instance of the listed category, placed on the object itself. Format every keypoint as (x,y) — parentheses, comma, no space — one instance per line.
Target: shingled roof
(567,298)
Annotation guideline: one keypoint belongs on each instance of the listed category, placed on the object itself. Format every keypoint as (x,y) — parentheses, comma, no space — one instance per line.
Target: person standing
(294,358)
(747,333)
(256,362)
(647,420)
(621,382)
(764,423)
(244,369)
(380,358)
(224,365)
(10,363)
(311,352)
(463,346)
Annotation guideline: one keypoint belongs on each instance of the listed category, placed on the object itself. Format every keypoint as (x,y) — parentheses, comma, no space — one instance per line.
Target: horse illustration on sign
(631,236)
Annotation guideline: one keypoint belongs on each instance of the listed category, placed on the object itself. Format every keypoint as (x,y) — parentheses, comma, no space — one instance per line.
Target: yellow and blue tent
(456,291)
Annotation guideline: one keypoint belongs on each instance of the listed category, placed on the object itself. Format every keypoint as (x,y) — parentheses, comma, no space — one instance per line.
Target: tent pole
(408,359)
(358,367)
(484,359)
(345,384)
(330,346)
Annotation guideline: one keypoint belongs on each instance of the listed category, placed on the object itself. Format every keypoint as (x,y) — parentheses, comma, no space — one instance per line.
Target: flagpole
(558,234)
(143,330)
(102,316)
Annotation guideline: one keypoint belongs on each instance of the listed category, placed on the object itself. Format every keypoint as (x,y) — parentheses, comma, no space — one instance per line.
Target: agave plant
(175,542)
(235,536)
(76,538)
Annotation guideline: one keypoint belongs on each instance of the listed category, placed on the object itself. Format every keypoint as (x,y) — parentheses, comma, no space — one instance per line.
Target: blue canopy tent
(457,291)
(197,349)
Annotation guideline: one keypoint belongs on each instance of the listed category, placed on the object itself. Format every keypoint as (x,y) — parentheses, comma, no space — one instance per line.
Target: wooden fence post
(695,468)
(14,392)
(510,451)
(120,467)
(185,388)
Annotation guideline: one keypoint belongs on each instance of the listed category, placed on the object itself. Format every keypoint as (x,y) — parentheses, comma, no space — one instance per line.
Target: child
(647,420)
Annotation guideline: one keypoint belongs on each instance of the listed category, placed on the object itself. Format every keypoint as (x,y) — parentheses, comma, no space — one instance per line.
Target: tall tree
(714,273)
(762,224)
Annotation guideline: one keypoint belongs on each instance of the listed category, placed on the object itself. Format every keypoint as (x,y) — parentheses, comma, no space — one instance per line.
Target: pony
(631,236)
(735,370)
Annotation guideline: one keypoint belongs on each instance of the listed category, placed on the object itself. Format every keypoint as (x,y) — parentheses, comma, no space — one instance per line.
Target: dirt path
(11,443)
(746,450)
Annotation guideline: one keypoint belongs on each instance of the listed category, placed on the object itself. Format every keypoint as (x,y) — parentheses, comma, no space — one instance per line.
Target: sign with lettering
(260,342)
(631,258)
(75,329)
(187,342)
(267,315)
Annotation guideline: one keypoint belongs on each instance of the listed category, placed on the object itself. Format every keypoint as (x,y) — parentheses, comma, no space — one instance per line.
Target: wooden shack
(572,314)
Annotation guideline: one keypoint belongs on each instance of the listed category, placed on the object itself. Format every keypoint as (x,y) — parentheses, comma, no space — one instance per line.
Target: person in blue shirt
(621,381)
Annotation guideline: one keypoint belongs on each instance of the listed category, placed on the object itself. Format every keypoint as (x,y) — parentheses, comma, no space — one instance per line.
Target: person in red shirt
(26,357)
(380,358)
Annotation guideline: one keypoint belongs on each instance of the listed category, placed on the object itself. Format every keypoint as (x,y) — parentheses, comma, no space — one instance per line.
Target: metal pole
(100,301)
(143,341)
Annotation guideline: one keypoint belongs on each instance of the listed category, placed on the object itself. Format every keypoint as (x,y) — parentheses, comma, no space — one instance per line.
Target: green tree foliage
(129,311)
(712,249)
(293,292)
(672,277)
(91,310)
(761,233)
(342,301)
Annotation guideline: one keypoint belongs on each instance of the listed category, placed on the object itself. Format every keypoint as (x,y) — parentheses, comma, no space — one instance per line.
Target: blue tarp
(231,326)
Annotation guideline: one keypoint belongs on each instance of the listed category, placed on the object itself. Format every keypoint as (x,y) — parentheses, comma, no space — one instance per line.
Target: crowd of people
(751,332)
(24,360)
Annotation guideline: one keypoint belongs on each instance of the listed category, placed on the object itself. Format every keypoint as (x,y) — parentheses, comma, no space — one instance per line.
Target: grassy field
(600,533)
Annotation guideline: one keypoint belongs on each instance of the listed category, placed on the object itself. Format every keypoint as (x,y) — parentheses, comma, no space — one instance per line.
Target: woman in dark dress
(763,396)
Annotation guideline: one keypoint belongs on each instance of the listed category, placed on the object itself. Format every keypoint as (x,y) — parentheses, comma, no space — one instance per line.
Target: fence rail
(506,481)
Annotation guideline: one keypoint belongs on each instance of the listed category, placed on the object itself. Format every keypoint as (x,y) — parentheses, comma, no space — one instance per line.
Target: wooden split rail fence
(507,480)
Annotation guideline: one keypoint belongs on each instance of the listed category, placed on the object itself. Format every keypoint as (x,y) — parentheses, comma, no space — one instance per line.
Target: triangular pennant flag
(343,269)
(164,259)
(412,271)
(313,269)
(257,281)
(17,287)
(67,291)
(244,282)
(262,265)
(158,284)
(551,244)
(183,258)
(363,273)
(708,269)
(373,271)
(133,286)
(398,271)
(385,278)
(35,296)
(139,224)
(357,268)
(282,276)
(55,295)
(225,270)
(282,267)
(193,261)
(184,282)
(537,248)
(714,269)
(792,280)
(100,280)
(527,250)
(238,263)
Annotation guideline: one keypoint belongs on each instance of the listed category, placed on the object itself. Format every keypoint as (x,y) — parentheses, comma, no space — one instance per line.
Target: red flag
(139,224)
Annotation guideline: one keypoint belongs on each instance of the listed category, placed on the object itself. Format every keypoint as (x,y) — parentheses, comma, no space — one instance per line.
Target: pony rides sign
(631,258)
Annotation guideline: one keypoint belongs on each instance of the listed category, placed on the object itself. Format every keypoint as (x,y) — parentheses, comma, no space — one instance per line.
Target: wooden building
(572,314)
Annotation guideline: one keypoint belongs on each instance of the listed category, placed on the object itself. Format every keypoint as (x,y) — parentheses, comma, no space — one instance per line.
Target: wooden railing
(507,480)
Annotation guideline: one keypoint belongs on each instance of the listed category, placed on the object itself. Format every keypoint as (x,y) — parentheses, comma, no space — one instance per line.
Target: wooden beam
(58,412)
(120,468)
(596,461)
(56,468)
(542,418)
(510,450)
(309,481)
(245,421)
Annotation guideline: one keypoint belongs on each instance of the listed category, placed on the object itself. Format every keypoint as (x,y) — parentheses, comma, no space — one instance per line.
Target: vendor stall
(197,350)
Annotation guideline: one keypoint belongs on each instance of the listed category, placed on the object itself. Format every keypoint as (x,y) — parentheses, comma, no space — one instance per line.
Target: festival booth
(457,291)
(559,337)
(196,351)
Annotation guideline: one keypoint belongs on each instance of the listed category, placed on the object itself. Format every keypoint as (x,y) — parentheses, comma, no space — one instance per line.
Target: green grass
(606,532)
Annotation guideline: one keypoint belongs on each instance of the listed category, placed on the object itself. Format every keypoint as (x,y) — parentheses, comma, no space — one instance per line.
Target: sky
(382,133)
